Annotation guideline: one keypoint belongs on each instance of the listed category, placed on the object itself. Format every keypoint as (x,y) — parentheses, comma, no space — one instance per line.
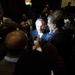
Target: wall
(65,2)
(73,2)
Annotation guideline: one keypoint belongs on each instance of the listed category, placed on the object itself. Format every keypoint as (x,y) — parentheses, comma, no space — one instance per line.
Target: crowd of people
(43,44)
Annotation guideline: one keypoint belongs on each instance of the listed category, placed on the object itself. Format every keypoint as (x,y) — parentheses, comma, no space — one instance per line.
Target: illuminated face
(23,24)
(50,25)
(40,26)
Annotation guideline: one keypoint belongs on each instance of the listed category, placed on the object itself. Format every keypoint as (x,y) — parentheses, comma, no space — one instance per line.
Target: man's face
(50,25)
(24,16)
(40,26)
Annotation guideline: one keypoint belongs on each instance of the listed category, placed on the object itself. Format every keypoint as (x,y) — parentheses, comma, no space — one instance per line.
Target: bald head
(16,41)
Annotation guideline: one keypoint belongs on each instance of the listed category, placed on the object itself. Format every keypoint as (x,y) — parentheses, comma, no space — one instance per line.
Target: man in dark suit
(15,42)
(68,9)
(60,37)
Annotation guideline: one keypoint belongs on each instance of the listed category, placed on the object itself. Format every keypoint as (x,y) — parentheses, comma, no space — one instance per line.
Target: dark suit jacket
(45,37)
(6,68)
(62,42)
(57,63)
(34,34)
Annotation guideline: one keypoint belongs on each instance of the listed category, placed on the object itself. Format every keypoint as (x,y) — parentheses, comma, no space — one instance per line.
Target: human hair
(57,18)
(7,27)
(37,22)
(40,25)
(69,3)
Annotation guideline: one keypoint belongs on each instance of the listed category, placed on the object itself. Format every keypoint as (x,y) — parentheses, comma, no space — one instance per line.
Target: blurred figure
(59,43)
(6,28)
(1,19)
(4,19)
(32,63)
(68,9)
(60,38)
(16,43)
(26,24)
(51,11)
(45,13)
(1,14)
(38,32)
(24,17)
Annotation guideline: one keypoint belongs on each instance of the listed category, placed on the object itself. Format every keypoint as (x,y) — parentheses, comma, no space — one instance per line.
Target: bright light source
(28,2)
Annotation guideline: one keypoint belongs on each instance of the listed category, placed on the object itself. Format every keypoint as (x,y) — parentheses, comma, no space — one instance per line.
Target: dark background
(14,8)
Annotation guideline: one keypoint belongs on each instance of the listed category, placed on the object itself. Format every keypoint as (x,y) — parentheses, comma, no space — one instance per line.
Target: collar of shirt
(11,59)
